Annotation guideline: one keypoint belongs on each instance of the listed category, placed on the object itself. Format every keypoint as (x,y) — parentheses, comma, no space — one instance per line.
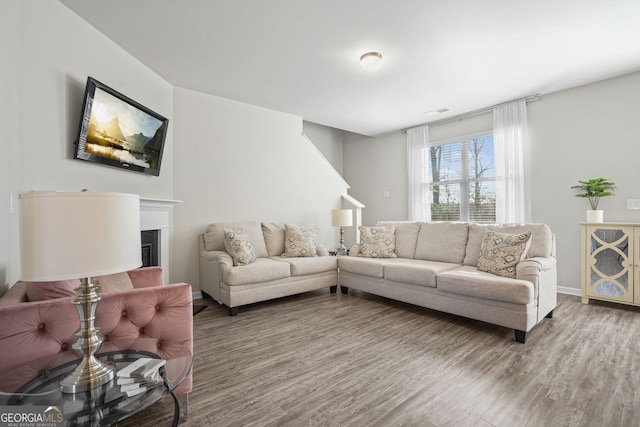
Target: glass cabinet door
(610,263)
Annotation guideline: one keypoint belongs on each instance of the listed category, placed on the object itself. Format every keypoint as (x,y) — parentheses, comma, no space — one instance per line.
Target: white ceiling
(301,56)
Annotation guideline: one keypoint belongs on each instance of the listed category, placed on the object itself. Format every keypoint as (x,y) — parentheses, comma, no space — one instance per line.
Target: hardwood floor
(321,359)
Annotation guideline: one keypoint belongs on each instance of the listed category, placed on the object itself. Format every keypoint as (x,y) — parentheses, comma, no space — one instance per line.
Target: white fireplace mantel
(155,214)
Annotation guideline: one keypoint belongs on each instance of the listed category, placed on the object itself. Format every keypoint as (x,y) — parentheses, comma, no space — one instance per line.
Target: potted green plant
(593,190)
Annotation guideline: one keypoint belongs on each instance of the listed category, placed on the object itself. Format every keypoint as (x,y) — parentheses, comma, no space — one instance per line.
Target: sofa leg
(344,289)
(233,311)
(550,315)
(521,336)
(333,289)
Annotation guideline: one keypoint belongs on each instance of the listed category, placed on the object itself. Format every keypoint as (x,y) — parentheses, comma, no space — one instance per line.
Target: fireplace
(150,247)
(155,216)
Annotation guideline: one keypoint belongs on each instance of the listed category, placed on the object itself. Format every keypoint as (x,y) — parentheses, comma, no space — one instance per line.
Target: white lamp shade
(66,235)
(342,218)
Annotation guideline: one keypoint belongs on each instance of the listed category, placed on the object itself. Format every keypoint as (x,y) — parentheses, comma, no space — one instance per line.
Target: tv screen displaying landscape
(120,132)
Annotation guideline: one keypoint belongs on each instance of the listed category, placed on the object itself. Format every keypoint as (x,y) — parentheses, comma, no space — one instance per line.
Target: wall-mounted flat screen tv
(117,131)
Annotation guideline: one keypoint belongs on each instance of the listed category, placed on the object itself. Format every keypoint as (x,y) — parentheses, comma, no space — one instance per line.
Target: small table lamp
(342,218)
(79,236)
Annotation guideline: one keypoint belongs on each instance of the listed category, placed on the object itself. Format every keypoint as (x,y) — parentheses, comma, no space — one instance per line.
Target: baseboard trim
(196,295)
(569,291)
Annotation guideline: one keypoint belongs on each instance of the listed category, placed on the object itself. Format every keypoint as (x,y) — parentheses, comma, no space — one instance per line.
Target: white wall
(9,124)
(581,133)
(238,162)
(53,51)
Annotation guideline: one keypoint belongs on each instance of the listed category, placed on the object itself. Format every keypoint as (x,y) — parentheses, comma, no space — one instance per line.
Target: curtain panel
(510,141)
(418,176)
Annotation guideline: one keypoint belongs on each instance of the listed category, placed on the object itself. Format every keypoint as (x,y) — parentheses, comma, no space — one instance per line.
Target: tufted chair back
(30,331)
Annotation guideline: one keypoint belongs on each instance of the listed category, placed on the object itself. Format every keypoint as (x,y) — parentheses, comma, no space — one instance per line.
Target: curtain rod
(528,99)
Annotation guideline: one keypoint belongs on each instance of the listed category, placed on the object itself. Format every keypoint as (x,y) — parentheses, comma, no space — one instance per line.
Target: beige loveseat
(270,276)
(436,267)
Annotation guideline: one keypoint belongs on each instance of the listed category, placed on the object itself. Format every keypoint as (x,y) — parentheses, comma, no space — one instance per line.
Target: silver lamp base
(90,372)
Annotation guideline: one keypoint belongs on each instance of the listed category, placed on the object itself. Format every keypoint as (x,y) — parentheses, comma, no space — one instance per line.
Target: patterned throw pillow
(377,242)
(500,252)
(300,241)
(237,243)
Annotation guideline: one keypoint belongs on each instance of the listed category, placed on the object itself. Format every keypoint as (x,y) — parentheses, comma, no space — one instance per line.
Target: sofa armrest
(529,268)
(223,259)
(146,277)
(542,273)
(211,264)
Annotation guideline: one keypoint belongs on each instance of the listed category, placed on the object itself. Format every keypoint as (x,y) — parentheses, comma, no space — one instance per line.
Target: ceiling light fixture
(371,61)
(438,111)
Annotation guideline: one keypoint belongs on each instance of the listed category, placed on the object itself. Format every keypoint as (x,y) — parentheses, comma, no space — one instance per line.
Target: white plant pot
(595,216)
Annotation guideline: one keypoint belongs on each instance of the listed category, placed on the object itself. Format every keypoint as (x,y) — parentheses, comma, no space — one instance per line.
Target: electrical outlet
(385,193)
(633,204)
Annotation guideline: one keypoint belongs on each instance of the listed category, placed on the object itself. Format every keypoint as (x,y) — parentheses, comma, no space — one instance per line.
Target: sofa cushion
(501,252)
(40,291)
(114,282)
(442,241)
(372,267)
(474,242)
(273,238)
(377,242)
(406,236)
(238,245)
(417,272)
(310,265)
(467,280)
(261,270)
(541,239)
(300,241)
(214,236)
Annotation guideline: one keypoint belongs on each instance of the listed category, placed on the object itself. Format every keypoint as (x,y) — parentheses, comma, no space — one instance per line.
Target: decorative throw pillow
(500,252)
(114,282)
(377,242)
(300,241)
(237,243)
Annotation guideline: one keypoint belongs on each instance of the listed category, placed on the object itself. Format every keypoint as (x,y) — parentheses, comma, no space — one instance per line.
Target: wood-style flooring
(321,359)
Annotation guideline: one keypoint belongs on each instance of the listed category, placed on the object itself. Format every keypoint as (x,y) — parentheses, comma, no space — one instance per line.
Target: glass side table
(37,384)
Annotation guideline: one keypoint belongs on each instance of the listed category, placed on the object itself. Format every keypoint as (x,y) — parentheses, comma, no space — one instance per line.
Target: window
(462,182)
(479,178)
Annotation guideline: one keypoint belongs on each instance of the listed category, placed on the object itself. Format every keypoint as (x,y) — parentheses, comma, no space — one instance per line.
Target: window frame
(464,181)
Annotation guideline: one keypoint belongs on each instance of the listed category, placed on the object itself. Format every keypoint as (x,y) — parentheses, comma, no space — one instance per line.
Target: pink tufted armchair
(30,331)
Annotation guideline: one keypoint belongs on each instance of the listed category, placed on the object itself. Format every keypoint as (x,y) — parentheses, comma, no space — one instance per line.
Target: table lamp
(80,235)
(342,218)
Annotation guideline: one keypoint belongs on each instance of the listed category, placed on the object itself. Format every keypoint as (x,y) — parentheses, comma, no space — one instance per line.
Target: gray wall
(328,140)
(581,133)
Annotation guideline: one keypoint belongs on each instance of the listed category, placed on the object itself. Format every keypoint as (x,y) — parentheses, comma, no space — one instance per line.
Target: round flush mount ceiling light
(371,61)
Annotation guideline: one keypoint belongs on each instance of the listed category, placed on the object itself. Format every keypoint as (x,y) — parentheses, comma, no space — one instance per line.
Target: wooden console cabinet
(611,262)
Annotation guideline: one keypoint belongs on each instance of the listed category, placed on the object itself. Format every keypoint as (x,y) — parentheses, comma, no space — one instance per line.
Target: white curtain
(419,197)
(510,144)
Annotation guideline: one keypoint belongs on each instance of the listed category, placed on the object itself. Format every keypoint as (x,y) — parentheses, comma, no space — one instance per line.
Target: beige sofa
(436,268)
(270,276)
